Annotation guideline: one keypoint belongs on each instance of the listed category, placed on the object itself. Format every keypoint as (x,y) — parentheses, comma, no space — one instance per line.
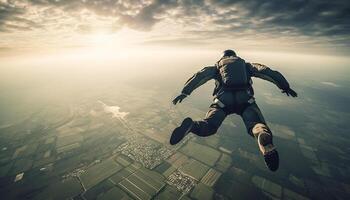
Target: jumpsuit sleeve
(199,78)
(264,72)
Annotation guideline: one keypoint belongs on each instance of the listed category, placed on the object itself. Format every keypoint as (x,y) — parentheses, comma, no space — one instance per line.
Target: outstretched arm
(264,72)
(198,79)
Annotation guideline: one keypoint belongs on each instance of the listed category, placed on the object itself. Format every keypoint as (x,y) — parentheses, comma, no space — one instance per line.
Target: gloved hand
(290,92)
(179,98)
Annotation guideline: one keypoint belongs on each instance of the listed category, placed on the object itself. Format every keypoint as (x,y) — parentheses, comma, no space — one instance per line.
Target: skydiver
(233,94)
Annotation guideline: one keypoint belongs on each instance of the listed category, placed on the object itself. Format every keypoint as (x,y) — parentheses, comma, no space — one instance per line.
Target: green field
(99,172)
(202,192)
(268,186)
(202,153)
(224,162)
(113,194)
(177,160)
(211,177)
(194,169)
(169,192)
(62,190)
(143,184)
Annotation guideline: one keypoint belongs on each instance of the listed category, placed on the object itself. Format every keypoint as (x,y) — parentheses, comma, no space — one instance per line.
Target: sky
(58,45)
(298,26)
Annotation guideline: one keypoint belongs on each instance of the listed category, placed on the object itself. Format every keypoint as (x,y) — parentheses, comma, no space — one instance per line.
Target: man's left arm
(264,72)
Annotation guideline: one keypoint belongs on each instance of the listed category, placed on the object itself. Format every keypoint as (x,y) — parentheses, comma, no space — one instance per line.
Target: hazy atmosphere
(86,89)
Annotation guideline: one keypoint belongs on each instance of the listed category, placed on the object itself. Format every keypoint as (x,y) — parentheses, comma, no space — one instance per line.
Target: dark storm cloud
(279,18)
(138,14)
(8,13)
(146,17)
(13,18)
(309,17)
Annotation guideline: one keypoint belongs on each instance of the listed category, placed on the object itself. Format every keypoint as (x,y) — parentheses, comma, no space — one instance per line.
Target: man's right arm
(195,81)
(199,78)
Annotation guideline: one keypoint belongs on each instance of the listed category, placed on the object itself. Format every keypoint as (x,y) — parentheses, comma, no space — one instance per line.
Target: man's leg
(256,126)
(211,123)
(208,126)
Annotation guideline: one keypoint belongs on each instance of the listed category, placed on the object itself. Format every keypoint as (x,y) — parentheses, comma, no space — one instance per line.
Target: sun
(100,45)
(101,39)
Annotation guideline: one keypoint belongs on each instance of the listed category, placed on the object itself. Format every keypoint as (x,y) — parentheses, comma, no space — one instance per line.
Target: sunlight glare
(102,39)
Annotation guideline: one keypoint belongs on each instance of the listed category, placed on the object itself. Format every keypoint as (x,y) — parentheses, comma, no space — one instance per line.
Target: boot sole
(271,156)
(180,132)
(272,160)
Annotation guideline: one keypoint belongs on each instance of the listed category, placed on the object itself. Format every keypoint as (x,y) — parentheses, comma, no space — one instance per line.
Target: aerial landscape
(86,91)
(103,145)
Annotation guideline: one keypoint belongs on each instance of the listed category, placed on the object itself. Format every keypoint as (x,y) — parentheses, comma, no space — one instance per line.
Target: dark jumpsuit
(230,101)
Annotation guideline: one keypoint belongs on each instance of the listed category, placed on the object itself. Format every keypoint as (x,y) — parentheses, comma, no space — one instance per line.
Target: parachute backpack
(233,72)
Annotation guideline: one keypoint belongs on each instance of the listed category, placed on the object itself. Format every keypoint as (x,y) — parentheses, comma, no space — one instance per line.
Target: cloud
(282,131)
(149,15)
(9,15)
(330,84)
(177,42)
(312,22)
(4,49)
(273,100)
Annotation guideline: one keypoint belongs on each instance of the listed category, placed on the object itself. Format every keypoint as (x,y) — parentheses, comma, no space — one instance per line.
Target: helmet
(228,52)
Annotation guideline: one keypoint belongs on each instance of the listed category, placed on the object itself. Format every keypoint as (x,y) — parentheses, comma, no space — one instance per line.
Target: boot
(268,150)
(180,132)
